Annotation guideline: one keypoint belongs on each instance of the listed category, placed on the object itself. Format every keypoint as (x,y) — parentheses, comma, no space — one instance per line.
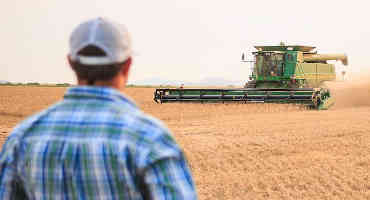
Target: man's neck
(110,84)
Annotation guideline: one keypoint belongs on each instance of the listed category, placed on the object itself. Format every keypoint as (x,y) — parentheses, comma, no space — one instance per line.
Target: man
(94,144)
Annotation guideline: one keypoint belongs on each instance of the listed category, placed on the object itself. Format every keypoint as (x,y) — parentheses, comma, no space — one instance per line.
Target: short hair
(93,73)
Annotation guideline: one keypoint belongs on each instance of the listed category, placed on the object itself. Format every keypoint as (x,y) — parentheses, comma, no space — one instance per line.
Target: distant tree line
(68,85)
(149,86)
(36,84)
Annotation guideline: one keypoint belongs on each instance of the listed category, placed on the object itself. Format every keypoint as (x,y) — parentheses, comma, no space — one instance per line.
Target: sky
(185,40)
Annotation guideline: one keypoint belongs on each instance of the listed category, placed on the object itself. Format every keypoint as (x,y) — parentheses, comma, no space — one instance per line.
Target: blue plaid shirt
(95,144)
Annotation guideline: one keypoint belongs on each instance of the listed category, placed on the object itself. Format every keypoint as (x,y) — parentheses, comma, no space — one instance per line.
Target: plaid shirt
(95,144)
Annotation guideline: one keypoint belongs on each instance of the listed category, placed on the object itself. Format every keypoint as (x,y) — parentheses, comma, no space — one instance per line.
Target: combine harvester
(281,74)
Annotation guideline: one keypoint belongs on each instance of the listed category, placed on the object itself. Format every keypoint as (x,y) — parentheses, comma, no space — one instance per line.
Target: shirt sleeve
(167,175)
(8,168)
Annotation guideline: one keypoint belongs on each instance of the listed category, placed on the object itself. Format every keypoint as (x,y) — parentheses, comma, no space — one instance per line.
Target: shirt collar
(105,93)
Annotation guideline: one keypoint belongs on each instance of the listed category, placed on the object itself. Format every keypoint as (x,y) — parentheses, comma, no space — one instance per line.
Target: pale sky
(180,39)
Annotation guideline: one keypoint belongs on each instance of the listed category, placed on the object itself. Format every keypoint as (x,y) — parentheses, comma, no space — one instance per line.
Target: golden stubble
(251,151)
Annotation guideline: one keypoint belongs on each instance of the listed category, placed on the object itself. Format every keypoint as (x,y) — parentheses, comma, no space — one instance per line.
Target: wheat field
(251,151)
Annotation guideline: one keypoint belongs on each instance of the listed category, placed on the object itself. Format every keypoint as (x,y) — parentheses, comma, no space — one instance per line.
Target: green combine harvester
(281,74)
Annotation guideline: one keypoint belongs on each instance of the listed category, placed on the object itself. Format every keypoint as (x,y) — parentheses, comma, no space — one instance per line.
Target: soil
(251,151)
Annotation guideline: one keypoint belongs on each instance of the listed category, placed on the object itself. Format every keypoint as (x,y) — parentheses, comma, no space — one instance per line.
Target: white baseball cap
(112,38)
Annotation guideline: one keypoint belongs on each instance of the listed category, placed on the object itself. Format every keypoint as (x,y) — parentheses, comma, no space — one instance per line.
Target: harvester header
(281,74)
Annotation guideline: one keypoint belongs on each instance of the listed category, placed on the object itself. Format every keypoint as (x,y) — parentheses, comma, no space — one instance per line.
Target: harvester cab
(292,67)
(280,74)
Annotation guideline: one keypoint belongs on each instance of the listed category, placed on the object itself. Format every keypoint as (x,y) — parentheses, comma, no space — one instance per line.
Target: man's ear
(126,66)
(69,61)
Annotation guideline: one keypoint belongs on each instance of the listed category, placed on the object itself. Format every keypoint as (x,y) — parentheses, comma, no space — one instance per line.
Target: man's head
(100,53)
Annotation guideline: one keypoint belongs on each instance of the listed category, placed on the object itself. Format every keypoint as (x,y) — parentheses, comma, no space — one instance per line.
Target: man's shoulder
(148,125)
(15,137)
(29,121)
(22,128)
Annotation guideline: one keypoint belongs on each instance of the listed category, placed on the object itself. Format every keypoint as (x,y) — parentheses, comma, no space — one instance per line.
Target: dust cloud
(352,94)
